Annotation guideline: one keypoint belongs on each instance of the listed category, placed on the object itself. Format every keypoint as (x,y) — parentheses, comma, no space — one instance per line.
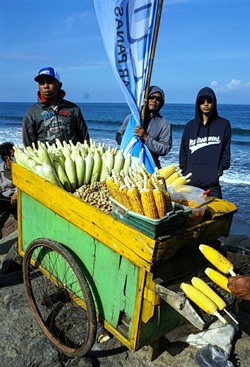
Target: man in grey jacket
(53,117)
(156,132)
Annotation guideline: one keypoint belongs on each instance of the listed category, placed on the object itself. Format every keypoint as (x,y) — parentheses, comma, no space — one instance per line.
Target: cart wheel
(60,297)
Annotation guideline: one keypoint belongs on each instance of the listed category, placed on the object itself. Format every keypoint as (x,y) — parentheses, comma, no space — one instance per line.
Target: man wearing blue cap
(156,133)
(53,117)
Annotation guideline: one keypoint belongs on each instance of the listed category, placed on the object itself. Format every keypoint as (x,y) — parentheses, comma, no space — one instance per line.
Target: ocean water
(104,119)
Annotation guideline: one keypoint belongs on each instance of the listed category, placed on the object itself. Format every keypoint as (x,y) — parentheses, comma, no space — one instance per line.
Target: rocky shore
(23,344)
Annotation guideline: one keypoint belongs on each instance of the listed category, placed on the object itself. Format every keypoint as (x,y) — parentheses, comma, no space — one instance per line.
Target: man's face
(206,105)
(155,102)
(9,159)
(48,87)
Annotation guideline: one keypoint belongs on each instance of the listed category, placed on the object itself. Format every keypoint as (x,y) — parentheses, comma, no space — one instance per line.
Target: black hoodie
(205,150)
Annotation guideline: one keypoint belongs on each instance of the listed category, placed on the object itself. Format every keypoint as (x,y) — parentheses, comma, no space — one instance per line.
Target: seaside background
(104,119)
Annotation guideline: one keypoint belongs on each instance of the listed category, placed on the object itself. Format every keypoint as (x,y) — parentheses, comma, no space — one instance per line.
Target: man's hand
(240,286)
(13,198)
(140,132)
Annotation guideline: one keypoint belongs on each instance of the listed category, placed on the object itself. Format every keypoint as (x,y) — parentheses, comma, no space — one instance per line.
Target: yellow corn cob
(201,300)
(124,197)
(209,292)
(169,205)
(150,184)
(218,278)
(115,188)
(135,200)
(160,201)
(117,192)
(110,185)
(171,178)
(148,203)
(183,180)
(167,171)
(217,259)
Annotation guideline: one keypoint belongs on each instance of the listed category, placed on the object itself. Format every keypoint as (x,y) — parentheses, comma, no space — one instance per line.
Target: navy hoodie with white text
(205,150)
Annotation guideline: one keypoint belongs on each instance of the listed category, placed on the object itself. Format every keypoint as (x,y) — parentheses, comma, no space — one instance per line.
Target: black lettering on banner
(124,76)
(121,50)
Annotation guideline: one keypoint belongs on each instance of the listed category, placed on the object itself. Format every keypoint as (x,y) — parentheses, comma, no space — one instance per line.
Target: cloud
(77,18)
(233,85)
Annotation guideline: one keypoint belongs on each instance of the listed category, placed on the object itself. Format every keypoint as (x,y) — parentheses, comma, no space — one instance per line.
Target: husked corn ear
(123,190)
(209,292)
(160,201)
(171,178)
(182,180)
(148,203)
(218,278)
(150,184)
(135,200)
(167,171)
(201,300)
(117,191)
(217,259)
(110,185)
(168,202)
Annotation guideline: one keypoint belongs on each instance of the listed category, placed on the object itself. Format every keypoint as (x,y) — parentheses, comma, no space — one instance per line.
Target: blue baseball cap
(47,71)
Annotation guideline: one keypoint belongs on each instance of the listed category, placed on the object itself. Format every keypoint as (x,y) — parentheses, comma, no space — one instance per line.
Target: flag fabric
(127,28)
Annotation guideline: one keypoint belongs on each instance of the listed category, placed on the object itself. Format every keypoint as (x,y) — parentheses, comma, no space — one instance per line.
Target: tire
(60,297)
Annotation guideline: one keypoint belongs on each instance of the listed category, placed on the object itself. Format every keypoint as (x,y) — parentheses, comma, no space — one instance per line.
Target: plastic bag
(210,356)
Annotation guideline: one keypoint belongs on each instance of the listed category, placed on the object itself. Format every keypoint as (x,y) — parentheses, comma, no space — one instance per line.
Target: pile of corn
(140,192)
(173,175)
(70,166)
(201,293)
(145,193)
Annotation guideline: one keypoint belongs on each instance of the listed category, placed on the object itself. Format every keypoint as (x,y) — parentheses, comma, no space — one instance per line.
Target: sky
(200,43)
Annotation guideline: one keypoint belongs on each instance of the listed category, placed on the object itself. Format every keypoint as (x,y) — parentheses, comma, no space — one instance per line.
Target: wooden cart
(82,265)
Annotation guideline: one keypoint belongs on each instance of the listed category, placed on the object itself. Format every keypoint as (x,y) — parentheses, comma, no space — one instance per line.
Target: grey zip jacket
(44,123)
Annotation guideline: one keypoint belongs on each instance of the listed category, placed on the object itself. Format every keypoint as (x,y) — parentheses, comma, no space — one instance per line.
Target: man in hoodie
(205,144)
(156,132)
(53,117)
